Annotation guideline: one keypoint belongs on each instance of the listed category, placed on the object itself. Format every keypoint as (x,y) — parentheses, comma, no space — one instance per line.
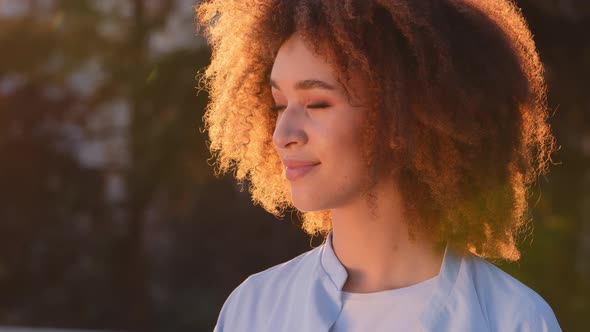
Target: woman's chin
(307,205)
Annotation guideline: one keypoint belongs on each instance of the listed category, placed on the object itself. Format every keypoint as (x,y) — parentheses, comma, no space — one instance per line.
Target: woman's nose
(289,128)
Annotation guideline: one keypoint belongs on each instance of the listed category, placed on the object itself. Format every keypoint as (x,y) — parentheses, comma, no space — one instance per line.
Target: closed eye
(277,108)
(320,105)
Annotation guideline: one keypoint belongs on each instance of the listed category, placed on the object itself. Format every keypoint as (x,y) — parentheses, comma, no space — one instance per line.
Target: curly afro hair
(458,106)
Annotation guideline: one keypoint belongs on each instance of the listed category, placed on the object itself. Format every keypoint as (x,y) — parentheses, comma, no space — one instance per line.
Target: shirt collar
(446,279)
(451,265)
(435,315)
(332,266)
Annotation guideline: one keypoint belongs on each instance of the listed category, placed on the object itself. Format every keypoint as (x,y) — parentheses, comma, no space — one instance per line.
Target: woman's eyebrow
(307,85)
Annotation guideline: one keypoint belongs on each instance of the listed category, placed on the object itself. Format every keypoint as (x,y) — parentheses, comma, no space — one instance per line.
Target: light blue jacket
(304,294)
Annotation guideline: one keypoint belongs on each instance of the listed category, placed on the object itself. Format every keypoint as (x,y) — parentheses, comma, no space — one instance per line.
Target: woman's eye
(319,105)
(277,108)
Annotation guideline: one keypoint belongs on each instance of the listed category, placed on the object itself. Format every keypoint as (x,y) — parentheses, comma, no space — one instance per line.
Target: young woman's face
(317,133)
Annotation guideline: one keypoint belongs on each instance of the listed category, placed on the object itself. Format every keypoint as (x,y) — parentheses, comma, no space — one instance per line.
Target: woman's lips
(294,173)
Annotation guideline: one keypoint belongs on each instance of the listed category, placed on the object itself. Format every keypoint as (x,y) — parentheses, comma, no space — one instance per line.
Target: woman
(405,132)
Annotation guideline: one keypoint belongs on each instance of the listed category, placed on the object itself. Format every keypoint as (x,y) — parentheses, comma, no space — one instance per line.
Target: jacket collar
(331,265)
(337,273)
(439,312)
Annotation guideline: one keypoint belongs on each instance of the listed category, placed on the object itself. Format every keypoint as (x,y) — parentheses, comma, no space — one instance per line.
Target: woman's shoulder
(502,296)
(287,271)
(261,291)
(493,281)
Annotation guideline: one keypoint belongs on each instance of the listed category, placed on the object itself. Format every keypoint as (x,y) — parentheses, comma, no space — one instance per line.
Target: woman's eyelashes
(277,107)
(319,105)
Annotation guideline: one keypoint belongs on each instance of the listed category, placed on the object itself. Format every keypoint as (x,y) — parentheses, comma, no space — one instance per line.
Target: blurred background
(110,216)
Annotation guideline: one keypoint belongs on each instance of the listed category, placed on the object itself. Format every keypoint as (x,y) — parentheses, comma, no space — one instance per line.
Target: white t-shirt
(390,310)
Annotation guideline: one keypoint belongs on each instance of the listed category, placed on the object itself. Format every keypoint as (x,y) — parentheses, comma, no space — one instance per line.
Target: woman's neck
(376,251)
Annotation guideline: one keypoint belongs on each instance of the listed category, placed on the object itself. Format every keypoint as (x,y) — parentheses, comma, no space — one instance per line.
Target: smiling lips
(296,169)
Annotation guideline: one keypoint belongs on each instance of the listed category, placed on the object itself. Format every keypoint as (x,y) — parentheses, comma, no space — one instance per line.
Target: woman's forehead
(296,63)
